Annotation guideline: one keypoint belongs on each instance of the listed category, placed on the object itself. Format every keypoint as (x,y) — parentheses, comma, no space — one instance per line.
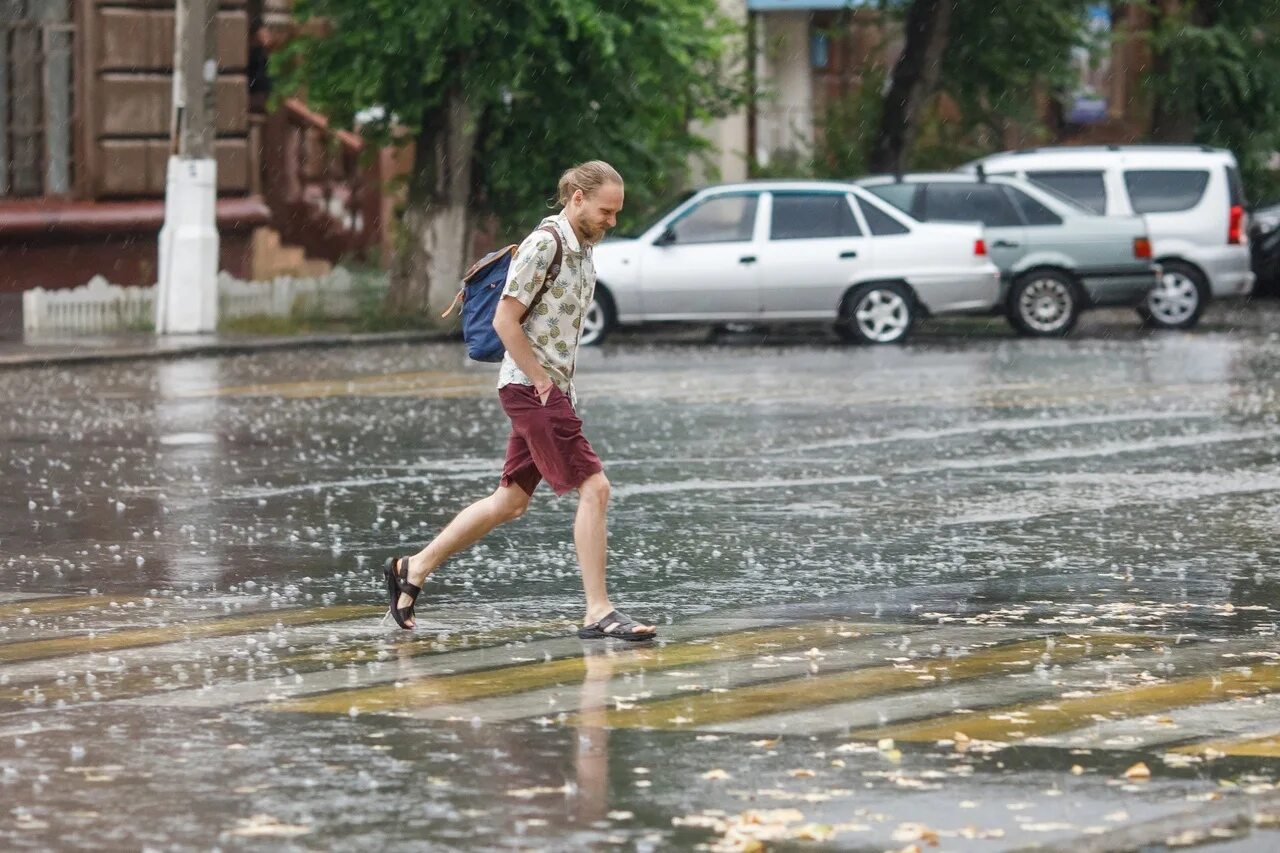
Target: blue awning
(803,5)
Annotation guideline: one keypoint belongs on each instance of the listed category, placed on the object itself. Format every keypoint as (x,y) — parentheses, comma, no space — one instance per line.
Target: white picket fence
(103,307)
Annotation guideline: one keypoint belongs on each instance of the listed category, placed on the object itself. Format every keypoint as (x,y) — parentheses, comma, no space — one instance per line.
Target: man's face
(595,214)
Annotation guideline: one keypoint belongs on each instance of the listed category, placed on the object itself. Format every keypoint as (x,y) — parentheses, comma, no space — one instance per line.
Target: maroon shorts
(546,441)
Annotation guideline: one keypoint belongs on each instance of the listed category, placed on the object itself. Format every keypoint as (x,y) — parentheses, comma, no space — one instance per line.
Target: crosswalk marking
(726,674)
(1267,746)
(135,681)
(133,638)
(709,708)
(1024,722)
(962,699)
(45,606)
(391,667)
(507,680)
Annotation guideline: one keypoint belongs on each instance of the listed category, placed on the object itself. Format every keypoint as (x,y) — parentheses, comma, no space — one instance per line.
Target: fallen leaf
(1138,771)
(266,826)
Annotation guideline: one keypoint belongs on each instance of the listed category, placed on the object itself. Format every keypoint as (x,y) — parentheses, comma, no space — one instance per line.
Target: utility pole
(187,294)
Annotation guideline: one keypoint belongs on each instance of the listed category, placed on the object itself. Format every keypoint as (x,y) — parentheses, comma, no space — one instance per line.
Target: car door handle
(1004,244)
(849,254)
(747,259)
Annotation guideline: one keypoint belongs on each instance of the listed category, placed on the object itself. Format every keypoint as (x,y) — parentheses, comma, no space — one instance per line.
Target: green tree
(1215,79)
(502,96)
(993,58)
(1006,55)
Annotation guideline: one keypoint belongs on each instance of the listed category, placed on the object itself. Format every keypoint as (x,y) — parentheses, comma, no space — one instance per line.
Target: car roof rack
(1121,146)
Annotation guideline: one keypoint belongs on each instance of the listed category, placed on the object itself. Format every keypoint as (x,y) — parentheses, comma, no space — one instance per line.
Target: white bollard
(187,298)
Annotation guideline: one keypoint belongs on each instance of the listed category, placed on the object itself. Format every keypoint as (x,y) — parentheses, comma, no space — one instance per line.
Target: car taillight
(1141,247)
(1235,225)
(979,248)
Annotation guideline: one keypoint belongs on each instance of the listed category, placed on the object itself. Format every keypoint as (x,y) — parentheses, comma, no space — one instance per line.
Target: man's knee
(596,488)
(512,501)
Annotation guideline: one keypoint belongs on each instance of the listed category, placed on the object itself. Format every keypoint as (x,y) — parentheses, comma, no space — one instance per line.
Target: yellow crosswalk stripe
(140,637)
(61,604)
(1038,719)
(919,674)
(397,384)
(137,683)
(1255,747)
(509,680)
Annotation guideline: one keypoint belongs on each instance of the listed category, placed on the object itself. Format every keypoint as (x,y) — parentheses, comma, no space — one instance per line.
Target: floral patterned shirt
(554,326)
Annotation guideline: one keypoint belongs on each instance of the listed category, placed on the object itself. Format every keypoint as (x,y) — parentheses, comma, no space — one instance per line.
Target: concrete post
(187,295)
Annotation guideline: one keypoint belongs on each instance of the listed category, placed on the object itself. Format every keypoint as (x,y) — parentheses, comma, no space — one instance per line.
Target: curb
(219,348)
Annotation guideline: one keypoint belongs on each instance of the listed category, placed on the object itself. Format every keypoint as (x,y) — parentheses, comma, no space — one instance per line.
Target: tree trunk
(915,77)
(433,252)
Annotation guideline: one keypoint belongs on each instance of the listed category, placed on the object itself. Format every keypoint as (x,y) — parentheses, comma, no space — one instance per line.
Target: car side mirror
(666,238)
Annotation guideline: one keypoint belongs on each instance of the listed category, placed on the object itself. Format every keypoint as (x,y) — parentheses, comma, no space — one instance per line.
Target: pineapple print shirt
(555,324)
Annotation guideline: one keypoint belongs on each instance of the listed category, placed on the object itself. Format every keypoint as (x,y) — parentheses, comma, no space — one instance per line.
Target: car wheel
(877,314)
(598,321)
(1178,299)
(1044,304)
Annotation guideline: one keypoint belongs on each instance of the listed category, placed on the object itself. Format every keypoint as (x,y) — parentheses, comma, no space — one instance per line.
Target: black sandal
(616,625)
(398,582)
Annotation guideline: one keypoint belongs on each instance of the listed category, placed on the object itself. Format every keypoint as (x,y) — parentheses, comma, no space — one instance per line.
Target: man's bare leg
(469,526)
(592,541)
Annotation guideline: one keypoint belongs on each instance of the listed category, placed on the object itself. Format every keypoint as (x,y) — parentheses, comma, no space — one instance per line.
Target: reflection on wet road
(987,594)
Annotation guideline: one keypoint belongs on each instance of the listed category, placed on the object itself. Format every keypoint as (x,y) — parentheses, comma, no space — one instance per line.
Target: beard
(591,233)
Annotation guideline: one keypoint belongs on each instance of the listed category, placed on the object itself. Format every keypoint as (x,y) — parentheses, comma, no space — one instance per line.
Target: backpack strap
(553,271)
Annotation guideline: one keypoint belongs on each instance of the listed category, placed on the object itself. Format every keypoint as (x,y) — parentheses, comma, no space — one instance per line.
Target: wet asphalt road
(947,592)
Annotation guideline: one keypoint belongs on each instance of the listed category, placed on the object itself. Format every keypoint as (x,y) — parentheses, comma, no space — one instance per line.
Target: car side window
(720,219)
(812,216)
(1032,211)
(881,223)
(900,194)
(1165,190)
(969,203)
(1087,188)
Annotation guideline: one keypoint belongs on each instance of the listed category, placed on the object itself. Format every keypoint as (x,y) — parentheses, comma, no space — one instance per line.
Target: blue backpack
(482,289)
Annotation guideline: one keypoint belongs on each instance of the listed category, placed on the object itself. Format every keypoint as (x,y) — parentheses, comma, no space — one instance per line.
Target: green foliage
(1225,64)
(1001,57)
(1002,53)
(848,129)
(942,145)
(550,84)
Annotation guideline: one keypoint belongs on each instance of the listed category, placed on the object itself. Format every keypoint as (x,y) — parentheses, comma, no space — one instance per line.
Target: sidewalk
(48,350)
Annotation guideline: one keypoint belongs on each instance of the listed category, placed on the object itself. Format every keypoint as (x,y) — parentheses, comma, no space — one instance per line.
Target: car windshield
(645,225)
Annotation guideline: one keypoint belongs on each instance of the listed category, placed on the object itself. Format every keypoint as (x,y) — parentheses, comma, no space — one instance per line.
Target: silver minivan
(1190,196)
(1056,258)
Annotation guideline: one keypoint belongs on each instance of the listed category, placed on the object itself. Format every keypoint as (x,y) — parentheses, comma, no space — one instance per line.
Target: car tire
(599,320)
(881,313)
(1178,299)
(1044,303)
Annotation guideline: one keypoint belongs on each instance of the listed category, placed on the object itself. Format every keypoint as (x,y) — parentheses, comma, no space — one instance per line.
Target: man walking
(540,322)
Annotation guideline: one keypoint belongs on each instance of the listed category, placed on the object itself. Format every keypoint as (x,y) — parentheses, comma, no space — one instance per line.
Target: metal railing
(37,98)
(324,194)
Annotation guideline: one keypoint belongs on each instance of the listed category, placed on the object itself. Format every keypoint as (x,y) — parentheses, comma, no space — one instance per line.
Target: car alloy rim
(1045,304)
(592,323)
(1174,299)
(882,316)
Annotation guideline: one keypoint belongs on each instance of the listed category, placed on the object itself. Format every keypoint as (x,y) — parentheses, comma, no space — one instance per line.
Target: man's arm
(525,280)
(506,322)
